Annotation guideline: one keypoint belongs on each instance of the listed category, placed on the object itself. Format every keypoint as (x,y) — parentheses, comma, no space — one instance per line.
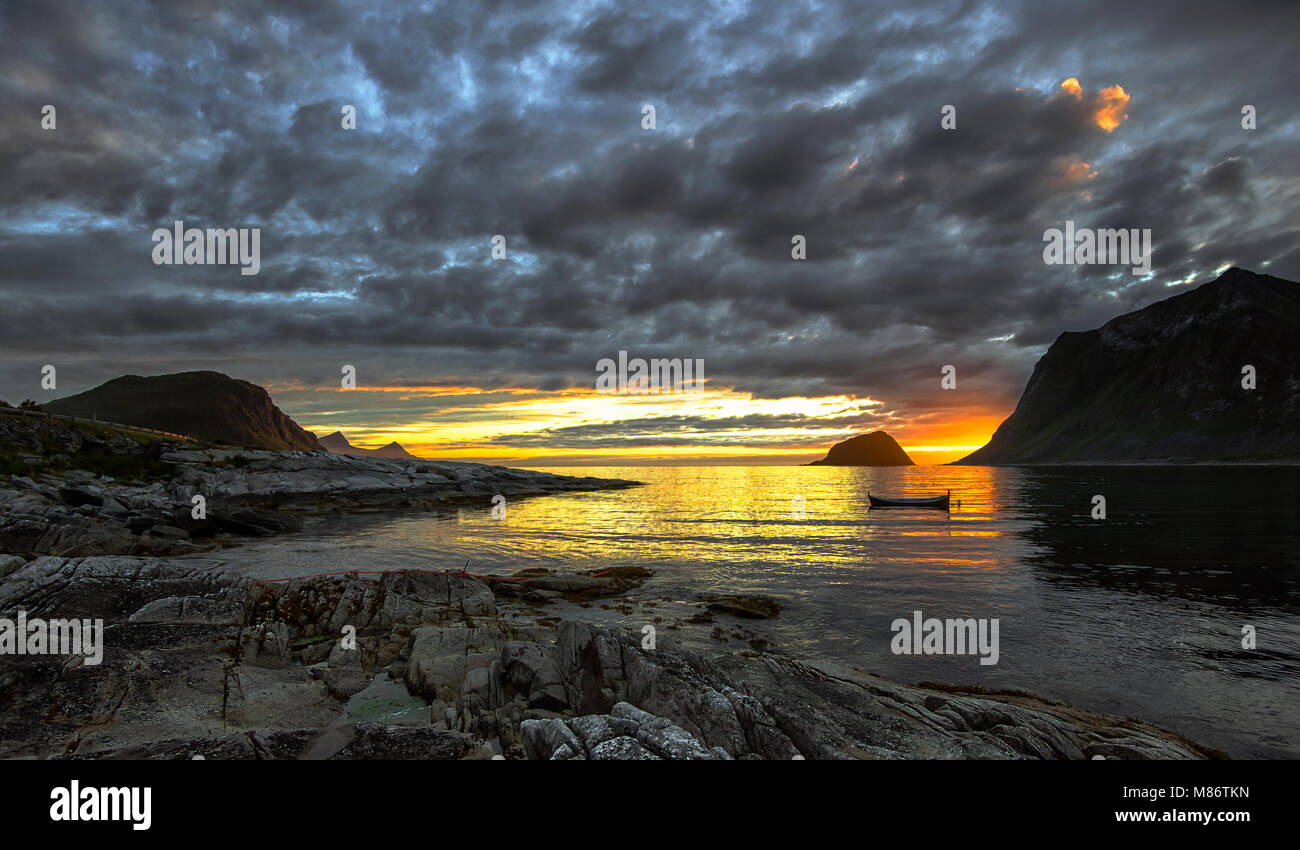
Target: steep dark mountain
(1165,383)
(339,444)
(206,405)
(874,449)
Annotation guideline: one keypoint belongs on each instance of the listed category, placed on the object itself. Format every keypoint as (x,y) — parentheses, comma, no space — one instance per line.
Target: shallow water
(1139,614)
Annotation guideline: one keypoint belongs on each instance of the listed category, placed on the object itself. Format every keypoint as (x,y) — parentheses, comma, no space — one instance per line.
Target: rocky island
(874,449)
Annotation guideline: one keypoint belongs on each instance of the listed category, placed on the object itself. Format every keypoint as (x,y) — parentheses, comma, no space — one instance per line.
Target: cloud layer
(924,245)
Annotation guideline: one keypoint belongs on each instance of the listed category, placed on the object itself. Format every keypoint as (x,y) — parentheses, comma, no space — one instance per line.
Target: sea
(1180,607)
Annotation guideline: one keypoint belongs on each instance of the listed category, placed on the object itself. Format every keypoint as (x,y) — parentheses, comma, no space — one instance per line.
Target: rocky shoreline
(201,661)
(150,510)
(198,661)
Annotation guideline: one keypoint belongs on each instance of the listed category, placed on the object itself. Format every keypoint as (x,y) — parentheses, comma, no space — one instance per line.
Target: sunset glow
(581,426)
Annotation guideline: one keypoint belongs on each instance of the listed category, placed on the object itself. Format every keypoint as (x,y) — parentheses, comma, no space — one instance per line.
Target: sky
(924,244)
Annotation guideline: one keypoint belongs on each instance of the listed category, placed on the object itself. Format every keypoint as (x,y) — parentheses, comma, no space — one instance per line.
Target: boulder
(10,564)
(77,497)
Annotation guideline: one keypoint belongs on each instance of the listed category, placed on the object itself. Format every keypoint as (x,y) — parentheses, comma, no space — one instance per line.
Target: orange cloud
(1108,105)
(1079,171)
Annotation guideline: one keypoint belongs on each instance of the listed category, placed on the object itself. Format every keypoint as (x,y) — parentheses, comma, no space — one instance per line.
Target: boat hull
(938,502)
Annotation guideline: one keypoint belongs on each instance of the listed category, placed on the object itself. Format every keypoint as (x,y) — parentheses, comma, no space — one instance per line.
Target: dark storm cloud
(524,119)
(1230,178)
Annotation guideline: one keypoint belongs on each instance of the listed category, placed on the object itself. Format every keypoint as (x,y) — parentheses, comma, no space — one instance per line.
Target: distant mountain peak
(340,444)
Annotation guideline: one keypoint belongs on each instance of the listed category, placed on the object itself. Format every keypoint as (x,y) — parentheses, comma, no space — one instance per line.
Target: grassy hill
(209,406)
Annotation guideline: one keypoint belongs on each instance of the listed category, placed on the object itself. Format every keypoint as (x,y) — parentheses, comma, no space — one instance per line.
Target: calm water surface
(1140,614)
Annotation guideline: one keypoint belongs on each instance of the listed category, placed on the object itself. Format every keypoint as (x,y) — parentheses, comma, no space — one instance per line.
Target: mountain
(208,405)
(339,444)
(874,449)
(1165,383)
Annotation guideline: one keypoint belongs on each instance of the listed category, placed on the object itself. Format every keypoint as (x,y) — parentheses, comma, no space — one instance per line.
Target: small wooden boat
(940,502)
